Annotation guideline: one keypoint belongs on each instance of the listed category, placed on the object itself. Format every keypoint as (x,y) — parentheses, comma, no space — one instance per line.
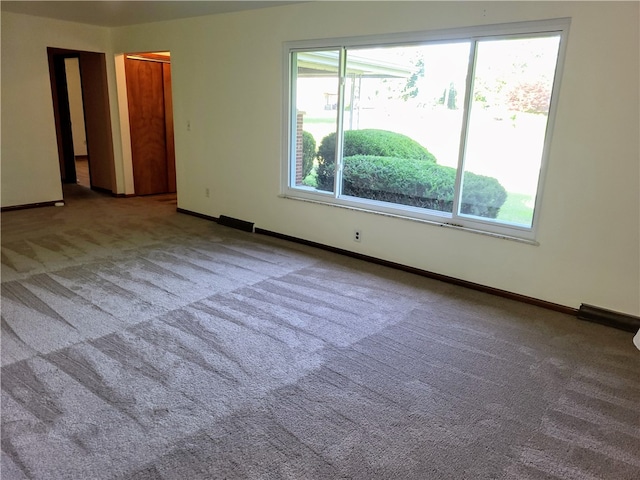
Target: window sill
(413,219)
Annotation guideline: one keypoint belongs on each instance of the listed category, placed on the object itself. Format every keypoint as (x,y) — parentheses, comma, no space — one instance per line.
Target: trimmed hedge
(308,152)
(421,184)
(482,196)
(380,143)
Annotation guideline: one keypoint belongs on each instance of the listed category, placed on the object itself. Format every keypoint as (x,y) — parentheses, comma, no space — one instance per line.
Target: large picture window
(452,127)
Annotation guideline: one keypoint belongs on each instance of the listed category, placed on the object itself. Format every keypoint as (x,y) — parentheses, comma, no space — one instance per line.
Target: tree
(410,90)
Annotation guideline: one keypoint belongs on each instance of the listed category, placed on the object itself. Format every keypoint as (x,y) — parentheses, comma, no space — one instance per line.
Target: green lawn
(517,209)
(320,119)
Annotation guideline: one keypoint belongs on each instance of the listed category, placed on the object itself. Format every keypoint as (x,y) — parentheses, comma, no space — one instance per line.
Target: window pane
(506,131)
(402,121)
(316,103)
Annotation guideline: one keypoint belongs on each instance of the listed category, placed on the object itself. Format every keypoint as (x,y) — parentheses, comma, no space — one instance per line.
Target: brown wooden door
(151,153)
(95,98)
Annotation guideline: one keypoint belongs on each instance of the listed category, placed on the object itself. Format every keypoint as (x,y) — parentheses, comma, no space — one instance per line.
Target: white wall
(29,152)
(72,68)
(228,83)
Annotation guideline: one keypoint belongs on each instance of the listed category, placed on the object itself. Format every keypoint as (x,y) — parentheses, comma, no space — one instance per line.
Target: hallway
(82,171)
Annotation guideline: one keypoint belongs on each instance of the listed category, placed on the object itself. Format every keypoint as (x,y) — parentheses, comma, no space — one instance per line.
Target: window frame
(539,28)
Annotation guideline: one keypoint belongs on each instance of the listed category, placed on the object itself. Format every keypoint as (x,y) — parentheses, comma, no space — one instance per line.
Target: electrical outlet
(206,192)
(357,235)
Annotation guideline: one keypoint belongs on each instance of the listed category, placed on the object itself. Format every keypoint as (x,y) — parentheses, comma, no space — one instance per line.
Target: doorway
(92,77)
(149,99)
(78,131)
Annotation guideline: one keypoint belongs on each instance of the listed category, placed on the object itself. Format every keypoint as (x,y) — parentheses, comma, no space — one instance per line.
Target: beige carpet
(139,343)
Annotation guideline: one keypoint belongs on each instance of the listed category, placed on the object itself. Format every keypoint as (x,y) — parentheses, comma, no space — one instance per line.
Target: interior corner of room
(170,310)
(218,145)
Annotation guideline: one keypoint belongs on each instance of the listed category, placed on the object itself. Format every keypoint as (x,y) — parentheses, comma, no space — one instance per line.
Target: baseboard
(31,205)
(196,214)
(123,195)
(617,320)
(425,273)
(621,321)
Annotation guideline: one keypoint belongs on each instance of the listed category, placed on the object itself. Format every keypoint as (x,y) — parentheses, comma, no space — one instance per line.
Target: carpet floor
(140,343)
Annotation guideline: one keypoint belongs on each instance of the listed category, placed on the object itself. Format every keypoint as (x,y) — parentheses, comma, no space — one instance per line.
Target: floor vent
(622,321)
(235,223)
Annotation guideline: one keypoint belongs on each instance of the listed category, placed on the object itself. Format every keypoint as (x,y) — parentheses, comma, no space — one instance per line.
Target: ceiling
(121,13)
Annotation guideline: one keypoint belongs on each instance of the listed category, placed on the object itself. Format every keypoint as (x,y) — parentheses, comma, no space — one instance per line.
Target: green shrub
(311,180)
(482,196)
(308,153)
(380,143)
(404,181)
(421,184)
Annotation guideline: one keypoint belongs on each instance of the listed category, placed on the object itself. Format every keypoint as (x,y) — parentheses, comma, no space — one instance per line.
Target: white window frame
(471,34)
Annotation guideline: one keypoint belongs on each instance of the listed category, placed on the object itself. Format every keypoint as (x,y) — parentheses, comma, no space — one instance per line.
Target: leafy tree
(530,97)
(410,90)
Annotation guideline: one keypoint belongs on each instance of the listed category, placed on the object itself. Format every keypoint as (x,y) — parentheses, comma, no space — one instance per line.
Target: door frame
(123,115)
(62,112)
(92,66)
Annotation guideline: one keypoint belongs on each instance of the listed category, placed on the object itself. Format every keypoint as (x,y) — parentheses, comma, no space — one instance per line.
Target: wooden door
(95,98)
(151,153)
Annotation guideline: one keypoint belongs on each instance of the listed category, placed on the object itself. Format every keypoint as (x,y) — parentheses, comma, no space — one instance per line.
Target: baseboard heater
(621,321)
(235,223)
